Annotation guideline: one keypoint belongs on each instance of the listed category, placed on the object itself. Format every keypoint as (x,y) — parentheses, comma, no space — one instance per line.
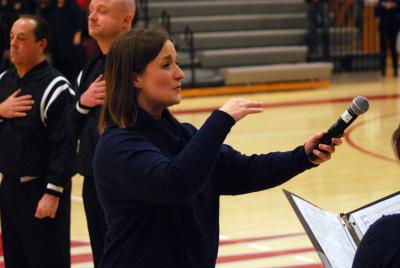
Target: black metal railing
(345,33)
(189,40)
(166,21)
(144,8)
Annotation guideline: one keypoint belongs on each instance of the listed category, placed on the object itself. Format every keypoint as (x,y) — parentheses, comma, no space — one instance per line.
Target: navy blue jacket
(159,183)
(380,246)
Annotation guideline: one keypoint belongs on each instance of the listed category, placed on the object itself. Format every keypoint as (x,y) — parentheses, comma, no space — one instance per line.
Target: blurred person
(42,4)
(4,27)
(9,12)
(66,21)
(388,12)
(159,180)
(318,18)
(380,246)
(34,161)
(107,19)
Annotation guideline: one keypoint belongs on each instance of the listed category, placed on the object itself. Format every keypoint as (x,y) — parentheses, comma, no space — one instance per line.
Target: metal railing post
(166,20)
(189,39)
(144,7)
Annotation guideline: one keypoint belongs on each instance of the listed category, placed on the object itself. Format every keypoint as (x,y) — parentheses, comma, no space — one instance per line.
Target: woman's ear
(136,82)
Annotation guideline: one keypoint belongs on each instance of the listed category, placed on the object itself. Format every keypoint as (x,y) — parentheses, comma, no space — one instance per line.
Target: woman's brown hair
(396,142)
(128,57)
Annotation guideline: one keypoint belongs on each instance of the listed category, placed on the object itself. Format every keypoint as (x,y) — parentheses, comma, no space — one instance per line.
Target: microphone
(358,106)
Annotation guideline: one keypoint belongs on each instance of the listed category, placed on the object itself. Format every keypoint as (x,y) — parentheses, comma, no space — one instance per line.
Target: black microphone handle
(335,131)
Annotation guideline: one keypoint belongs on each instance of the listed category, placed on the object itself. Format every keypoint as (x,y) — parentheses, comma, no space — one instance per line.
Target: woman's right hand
(240,107)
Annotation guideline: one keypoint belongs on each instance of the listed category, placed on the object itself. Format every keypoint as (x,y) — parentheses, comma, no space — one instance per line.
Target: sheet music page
(367,216)
(329,233)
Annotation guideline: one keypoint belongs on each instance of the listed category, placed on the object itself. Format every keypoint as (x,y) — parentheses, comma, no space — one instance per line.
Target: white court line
(304,259)
(76,198)
(83,265)
(223,237)
(81,250)
(257,246)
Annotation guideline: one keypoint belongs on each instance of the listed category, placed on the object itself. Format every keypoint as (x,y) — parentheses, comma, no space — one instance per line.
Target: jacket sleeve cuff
(54,190)
(224,118)
(81,108)
(306,161)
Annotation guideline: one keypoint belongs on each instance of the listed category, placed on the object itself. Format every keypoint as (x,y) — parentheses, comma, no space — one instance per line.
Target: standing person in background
(36,153)
(159,181)
(10,10)
(107,19)
(318,18)
(380,246)
(42,4)
(4,29)
(66,21)
(388,12)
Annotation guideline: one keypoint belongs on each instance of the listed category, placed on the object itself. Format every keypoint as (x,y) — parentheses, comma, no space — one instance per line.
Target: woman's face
(160,84)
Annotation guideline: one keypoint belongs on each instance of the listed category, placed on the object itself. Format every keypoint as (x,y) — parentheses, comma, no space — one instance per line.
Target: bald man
(107,19)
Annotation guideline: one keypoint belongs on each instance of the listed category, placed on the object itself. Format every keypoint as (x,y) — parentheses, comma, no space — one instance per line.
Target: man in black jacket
(34,160)
(107,19)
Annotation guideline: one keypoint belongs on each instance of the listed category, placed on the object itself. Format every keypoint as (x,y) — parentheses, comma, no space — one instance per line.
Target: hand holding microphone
(323,152)
(358,106)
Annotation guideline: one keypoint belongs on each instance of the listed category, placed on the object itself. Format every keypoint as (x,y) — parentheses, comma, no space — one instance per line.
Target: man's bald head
(108,18)
(128,6)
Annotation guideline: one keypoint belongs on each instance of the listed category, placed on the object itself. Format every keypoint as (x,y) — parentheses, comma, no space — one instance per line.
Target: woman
(380,246)
(158,180)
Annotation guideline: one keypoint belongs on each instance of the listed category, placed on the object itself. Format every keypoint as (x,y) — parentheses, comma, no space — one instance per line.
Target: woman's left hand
(325,151)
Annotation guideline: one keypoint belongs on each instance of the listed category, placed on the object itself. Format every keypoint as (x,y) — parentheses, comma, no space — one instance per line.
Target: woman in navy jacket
(158,180)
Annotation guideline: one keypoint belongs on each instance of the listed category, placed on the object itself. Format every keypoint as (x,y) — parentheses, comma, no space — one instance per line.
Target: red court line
(80,258)
(79,243)
(76,258)
(253,239)
(359,148)
(294,103)
(261,255)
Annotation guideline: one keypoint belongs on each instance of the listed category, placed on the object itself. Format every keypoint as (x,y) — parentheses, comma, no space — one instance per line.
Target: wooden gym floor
(260,230)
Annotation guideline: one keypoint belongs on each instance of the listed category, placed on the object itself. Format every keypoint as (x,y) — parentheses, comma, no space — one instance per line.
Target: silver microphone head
(359,105)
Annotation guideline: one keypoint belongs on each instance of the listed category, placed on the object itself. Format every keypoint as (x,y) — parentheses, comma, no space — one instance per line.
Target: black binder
(335,236)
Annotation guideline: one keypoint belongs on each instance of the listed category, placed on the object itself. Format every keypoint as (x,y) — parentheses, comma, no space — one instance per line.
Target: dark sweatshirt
(38,145)
(84,120)
(389,18)
(159,183)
